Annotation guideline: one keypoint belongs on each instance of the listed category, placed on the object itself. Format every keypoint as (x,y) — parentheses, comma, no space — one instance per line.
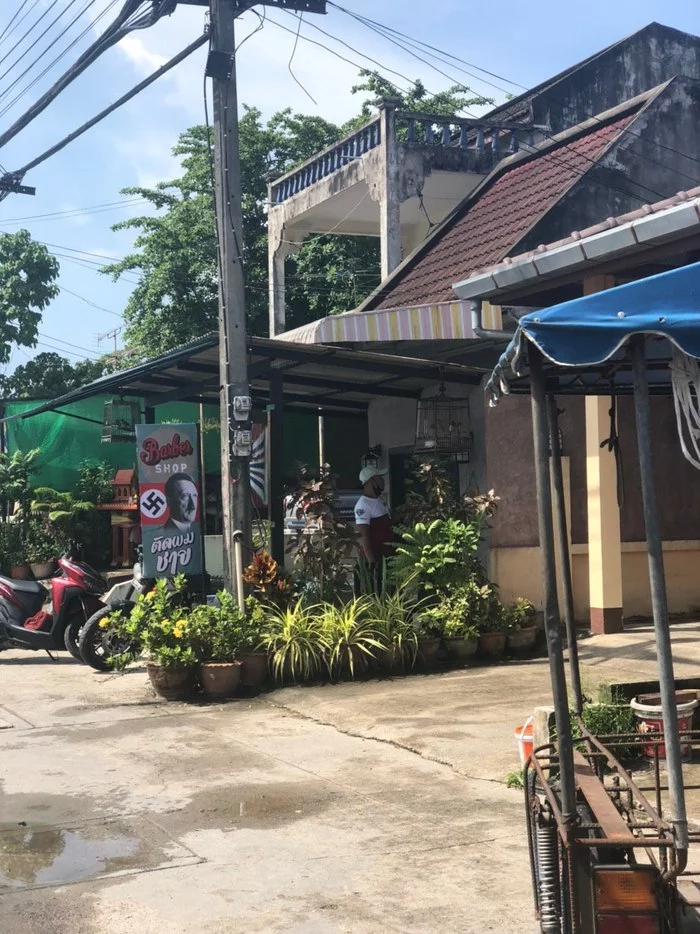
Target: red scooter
(34,617)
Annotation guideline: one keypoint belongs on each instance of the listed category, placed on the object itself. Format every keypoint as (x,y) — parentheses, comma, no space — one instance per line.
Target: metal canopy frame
(316,380)
(640,367)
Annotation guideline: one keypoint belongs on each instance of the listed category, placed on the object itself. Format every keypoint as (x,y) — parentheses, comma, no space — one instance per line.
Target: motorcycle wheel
(97,646)
(72,635)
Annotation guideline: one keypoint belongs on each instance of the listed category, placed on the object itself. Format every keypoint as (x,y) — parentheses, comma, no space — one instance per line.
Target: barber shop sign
(169,502)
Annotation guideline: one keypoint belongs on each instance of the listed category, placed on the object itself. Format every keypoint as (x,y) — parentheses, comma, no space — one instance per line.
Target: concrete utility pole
(236,409)
(236,404)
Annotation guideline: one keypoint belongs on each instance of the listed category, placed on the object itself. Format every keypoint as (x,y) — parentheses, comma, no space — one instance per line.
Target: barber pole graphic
(257,466)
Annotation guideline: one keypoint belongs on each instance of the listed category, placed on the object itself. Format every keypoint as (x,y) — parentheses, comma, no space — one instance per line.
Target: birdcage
(119,421)
(443,425)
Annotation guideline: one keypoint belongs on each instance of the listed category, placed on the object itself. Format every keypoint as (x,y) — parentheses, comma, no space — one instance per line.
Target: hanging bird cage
(119,421)
(444,424)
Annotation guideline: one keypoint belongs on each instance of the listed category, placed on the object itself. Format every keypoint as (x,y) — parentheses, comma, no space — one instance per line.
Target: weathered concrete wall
(634,65)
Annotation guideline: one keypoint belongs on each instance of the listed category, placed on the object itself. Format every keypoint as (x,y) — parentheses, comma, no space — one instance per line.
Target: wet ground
(354,808)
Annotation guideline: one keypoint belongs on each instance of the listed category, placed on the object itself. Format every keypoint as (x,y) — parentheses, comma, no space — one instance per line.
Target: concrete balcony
(395,178)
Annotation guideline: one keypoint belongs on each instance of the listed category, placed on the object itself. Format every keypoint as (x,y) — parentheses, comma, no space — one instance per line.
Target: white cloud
(135,50)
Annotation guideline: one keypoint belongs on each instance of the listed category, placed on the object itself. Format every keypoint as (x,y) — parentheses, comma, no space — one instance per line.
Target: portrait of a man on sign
(182,497)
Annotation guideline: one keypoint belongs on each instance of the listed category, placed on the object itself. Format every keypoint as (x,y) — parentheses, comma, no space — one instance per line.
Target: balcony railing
(327,161)
(465,144)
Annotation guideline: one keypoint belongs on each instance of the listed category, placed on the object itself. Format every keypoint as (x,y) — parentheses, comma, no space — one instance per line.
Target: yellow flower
(177,632)
(104,623)
(151,595)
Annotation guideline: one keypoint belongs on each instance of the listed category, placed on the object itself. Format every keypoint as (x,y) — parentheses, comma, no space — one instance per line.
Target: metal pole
(321,442)
(238,569)
(275,458)
(233,345)
(676,813)
(562,533)
(552,623)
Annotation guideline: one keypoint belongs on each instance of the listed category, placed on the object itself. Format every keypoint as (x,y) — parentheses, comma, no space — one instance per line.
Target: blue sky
(525,43)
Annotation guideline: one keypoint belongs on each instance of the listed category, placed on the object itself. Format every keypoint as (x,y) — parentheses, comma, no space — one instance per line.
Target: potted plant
(392,616)
(215,632)
(521,622)
(12,551)
(352,643)
(295,640)
(251,651)
(158,626)
(41,548)
(492,632)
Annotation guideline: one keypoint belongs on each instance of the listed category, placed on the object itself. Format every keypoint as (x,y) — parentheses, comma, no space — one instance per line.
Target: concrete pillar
(276,298)
(281,243)
(389,203)
(604,548)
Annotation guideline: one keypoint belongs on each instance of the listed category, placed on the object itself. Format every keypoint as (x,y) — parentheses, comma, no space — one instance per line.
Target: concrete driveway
(351,808)
(120,813)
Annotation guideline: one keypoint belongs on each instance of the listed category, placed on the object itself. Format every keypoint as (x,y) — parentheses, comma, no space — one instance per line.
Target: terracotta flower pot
(220,679)
(254,670)
(43,569)
(461,650)
(21,572)
(171,683)
(429,651)
(492,644)
(522,640)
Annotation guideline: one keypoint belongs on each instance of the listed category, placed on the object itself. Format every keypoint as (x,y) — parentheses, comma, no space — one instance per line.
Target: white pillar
(389,203)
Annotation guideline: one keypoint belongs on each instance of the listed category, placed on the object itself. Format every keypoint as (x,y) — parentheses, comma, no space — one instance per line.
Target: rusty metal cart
(605,859)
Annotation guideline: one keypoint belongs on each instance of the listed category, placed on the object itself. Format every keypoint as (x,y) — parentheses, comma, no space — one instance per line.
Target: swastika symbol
(153,504)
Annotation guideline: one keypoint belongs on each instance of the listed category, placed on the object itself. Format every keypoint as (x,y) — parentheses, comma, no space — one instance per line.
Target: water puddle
(34,854)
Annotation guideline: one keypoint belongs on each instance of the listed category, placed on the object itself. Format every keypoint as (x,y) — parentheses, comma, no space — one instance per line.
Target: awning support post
(275,460)
(562,533)
(552,623)
(676,812)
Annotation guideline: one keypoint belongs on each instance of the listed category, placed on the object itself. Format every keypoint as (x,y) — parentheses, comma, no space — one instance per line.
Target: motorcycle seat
(22,586)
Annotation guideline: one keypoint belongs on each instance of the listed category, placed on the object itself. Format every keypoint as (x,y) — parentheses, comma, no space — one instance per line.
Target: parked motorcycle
(34,616)
(99,645)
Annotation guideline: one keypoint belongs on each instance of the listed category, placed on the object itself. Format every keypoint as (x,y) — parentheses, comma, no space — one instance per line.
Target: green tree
(176,299)
(49,375)
(28,274)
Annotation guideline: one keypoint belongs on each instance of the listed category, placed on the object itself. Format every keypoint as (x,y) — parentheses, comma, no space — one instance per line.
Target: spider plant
(352,637)
(296,641)
(392,615)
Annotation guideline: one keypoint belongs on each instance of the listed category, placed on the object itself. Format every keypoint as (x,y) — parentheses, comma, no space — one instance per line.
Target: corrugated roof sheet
(484,230)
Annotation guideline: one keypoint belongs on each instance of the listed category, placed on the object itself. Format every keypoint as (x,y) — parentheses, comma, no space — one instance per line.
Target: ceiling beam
(433,372)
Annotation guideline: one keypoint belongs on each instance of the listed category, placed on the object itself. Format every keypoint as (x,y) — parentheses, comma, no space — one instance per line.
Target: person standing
(372,518)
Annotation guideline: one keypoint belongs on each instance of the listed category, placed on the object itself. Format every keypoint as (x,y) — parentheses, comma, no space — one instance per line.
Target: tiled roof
(489,226)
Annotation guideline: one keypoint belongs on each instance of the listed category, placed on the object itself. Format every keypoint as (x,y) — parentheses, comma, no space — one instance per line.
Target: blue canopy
(589,331)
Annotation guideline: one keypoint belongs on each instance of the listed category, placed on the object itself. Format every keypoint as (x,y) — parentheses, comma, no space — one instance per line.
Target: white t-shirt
(368,508)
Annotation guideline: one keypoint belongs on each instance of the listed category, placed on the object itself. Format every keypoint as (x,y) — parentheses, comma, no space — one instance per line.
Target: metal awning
(587,338)
(316,379)
(439,321)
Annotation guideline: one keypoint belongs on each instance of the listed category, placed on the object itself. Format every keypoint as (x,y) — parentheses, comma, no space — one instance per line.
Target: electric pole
(236,408)
(236,404)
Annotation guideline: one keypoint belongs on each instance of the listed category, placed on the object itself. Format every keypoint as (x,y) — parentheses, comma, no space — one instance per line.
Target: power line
(47,49)
(135,14)
(77,212)
(89,302)
(8,30)
(192,47)
(60,340)
(61,55)
(27,33)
